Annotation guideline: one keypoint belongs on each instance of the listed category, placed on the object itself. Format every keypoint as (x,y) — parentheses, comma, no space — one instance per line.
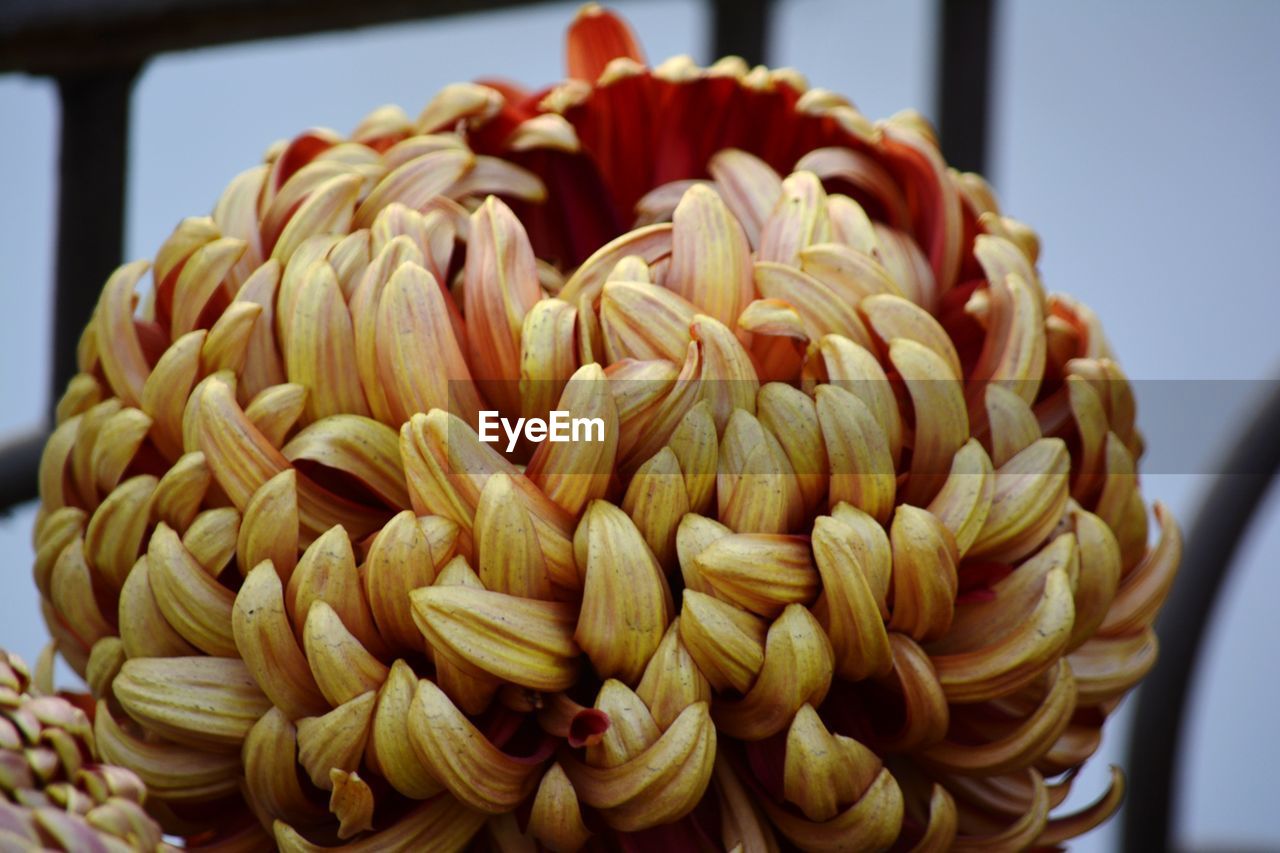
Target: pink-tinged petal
(501,286)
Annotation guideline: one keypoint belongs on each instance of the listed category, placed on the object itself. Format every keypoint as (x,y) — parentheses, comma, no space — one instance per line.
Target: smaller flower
(54,795)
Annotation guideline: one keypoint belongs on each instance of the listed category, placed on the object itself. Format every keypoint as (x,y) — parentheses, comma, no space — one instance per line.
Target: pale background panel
(28,201)
(1136,138)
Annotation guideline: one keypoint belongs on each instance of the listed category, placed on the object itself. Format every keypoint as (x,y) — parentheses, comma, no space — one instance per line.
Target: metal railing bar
(20,469)
(92,163)
(966,37)
(60,36)
(740,28)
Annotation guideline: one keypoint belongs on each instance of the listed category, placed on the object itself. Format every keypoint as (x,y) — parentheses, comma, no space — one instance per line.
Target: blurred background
(1137,138)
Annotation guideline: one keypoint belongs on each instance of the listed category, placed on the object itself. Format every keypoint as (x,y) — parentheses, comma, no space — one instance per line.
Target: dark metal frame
(94,50)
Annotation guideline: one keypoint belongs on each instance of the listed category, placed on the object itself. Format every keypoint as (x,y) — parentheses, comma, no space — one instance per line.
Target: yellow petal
(462,758)
(72,596)
(459,101)
(824,772)
(644,321)
(848,609)
(446,468)
(693,536)
(650,243)
(201,277)
(400,559)
(762,573)
(269,528)
(171,772)
(328,209)
(271,772)
(420,359)
(821,310)
(193,602)
(556,819)
(115,532)
(210,703)
(790,414)
(319,346)
(798,666)
(964,501)
(941,423)
(327,572)
(389,751)
(165,393)
(548,355)
(749,187)
(849,274)
(710,256)
(266,643)
(1030,495)
(520,640)
(351,802)
(756,486)
(415,182)
(626,604)
(501,285)
(661,784)
(439,825)
(211,538)
(853,368)
(1011,422)
(1144,589)
(356,445)
(1017,658)
(871,823)
(657,500)
(1013,353)
(123,362)
(1099,574)
(858,455)
(1024,744)
(729,381)
(696,447)
(895,317)
(336,739)
(263,366)
(143,627)
(631,728)
(573,473)
(672,680)
(798,220)
(276,410)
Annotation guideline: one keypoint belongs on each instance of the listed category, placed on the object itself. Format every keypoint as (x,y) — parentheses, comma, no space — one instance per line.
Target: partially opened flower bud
(850,554)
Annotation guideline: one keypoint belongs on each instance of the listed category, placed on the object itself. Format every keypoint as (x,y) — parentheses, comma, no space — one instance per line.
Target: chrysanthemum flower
(54,793)
(858,560)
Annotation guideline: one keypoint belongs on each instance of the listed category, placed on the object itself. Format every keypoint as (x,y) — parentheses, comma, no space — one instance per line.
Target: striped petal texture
(858,559)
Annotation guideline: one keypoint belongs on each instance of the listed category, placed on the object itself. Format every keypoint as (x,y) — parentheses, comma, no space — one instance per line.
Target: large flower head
(851,552)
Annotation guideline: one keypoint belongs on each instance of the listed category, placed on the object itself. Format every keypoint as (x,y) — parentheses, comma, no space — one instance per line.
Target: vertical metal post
(91,193)
(965,35)
(740,28)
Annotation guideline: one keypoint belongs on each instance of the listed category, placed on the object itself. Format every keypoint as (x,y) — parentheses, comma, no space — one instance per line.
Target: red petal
(587,727)
(301,151)
(596,37)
